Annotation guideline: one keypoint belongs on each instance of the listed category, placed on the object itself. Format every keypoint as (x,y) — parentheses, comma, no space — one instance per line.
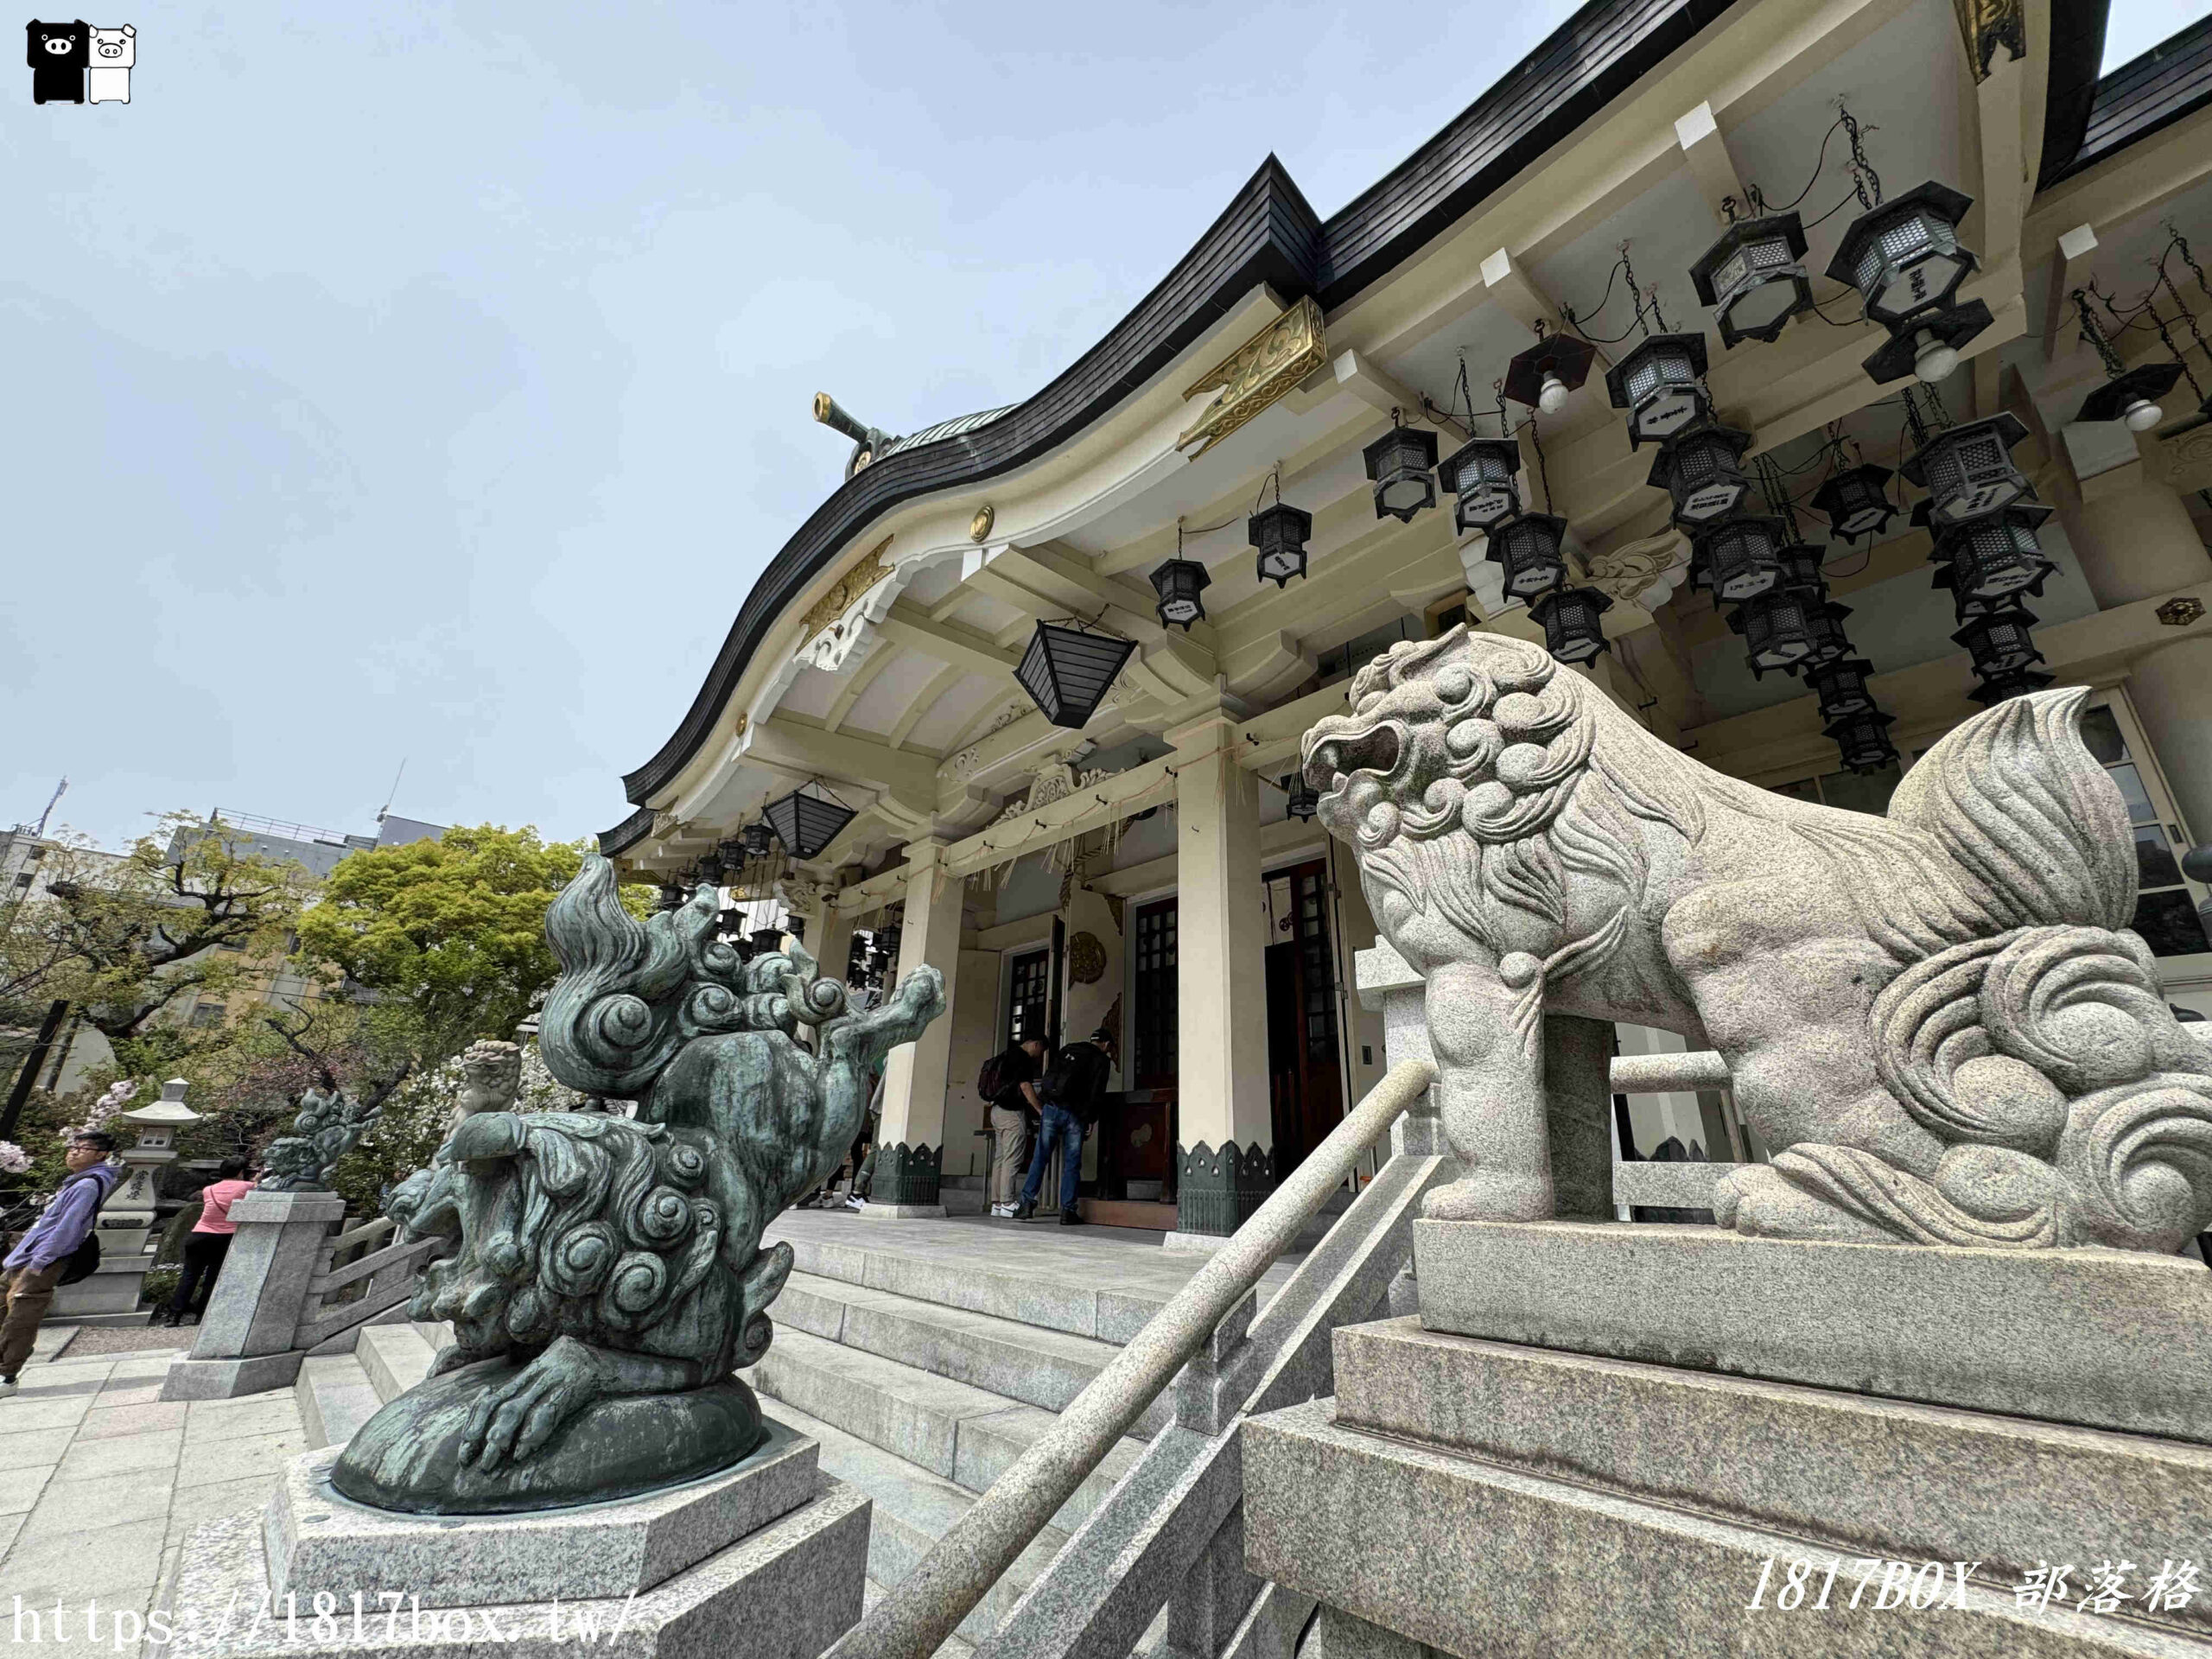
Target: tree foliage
(454,928)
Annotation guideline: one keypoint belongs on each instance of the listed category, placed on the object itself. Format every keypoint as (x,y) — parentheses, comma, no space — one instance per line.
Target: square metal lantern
(1856,502)
(1279,534)
(1178,582)
(1865,741)
(1988,559)
(1544,374)
(807,822)
(1662,383)
(1741,558)
(1904,257)
(1571,631)
(1802,564)
(1776,630)
(1824,631)
(1841,687)
(1967,470)
(1305,799)
(732,851)
(2132,397)
(2009,683)
(760,840)
(2000,641)
(1066,671)
(1479,473)
(1703,470)
(1754,277)
(1402,463)
(1529,546)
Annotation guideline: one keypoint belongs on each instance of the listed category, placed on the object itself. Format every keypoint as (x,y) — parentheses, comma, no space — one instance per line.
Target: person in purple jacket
(34,1267)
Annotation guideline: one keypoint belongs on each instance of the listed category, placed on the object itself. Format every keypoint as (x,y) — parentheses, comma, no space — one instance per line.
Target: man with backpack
(1009,1083)
(1072,1093)
(59,1249)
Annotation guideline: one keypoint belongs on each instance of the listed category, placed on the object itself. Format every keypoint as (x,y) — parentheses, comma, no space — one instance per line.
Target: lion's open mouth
(1339,754)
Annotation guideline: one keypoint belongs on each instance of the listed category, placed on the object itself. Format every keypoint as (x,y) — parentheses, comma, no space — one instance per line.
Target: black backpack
(1071,1084)
(991,1081)
(84,1261)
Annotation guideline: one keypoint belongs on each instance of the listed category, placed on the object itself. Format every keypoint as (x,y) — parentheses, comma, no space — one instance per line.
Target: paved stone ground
(101,1484)
(125,1339)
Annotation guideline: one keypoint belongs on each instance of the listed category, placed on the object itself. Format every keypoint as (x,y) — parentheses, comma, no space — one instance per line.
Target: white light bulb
(1552,397)
(1934,360)
(2142,415)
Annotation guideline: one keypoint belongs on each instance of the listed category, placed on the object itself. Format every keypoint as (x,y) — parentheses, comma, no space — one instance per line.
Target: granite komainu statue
(1938,1021)
(605,1280)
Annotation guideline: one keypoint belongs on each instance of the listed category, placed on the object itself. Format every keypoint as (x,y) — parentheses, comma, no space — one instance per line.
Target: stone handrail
(915,1617)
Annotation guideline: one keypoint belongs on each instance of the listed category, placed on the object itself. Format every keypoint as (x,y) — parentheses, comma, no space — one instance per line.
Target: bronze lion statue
(1937,1022)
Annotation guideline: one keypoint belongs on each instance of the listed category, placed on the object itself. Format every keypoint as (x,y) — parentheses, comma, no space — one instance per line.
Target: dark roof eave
(612,844)
(1268,234)
(2144,96)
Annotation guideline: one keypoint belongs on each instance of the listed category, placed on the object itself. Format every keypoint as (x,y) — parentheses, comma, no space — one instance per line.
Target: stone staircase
(924,1356)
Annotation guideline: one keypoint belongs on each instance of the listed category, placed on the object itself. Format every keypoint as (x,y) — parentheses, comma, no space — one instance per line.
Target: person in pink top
(208,1242)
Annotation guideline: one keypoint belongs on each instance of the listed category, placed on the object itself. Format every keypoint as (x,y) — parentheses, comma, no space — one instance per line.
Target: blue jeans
(1061,1129)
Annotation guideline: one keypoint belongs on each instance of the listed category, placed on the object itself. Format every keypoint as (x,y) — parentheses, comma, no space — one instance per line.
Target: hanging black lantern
(1178,583)
(1754,277)
(886,948)
(672,895)
(1904,257)
(1528,545)
(1865,741)
(1824,634)
(2009,683)
(1776,630)
(1855,503)
(1305,799)
(1841,687)
(708,871)
(1740,558)
(1402,463)
(1066,671)
(2132,397)
(856,961)
(2000,642)
(1280,533)
(796,926)
(1480,474)
(1703,470)
(1927,347)
(766,941)
(1543,375)
(1572,631)
(1967,470)
(732,851)
(760,840)
(1988,559)
(807,822)
(1800,569)
(1662,383)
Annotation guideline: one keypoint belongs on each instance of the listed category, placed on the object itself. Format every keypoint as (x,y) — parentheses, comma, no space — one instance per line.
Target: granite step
(395,1357)
(335,1396)
(912,1510)
(1030,1364)
(957,1432)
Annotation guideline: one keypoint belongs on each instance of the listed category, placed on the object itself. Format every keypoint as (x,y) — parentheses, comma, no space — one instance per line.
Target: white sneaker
(1002,1209)
(852,1204)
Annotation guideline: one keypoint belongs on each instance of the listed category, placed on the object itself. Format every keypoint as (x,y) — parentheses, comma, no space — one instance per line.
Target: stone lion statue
(330,1124)
(1938,1021)
(605,1276)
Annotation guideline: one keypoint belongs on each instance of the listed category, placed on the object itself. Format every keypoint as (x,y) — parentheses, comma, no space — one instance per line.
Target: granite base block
(1471,1558)
(786,1591)
(2104,1338)
(319,1541)
(1857,1475)
(227,1379)
(870,1210)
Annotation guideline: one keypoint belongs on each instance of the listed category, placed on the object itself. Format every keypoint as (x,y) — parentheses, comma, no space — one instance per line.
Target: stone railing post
(244,1340)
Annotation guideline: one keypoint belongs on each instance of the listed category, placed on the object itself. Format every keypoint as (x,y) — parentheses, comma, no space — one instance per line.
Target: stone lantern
(127,1220)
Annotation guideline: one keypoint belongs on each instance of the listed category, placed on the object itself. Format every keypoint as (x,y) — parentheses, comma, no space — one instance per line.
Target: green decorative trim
(906,1175)
(1216,1192)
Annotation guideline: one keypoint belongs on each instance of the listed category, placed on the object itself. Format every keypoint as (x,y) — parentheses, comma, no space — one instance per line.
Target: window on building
(1848,790)
(24,881)
(1029,997)
(1153,1053)
(2166,908)
(34,854)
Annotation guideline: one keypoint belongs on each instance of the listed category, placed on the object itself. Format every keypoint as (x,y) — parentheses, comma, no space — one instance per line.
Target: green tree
(453,928)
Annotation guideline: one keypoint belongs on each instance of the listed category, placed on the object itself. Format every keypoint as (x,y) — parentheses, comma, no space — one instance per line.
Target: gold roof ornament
(1257,374)
(847,589)
(980,526)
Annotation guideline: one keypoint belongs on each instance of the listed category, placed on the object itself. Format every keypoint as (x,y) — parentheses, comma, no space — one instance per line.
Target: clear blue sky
(389,382)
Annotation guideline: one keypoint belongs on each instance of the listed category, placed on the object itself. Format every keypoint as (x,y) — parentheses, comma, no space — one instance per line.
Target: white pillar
(910,1141)
(2134,539)
(1225,1134)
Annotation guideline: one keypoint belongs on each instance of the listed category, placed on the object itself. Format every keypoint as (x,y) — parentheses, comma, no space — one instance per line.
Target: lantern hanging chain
(1504,420)
(1866,183)
(1273,479)
(1643,299)
(2093,336)
(1536,437)
(1915,420)
(2174,350)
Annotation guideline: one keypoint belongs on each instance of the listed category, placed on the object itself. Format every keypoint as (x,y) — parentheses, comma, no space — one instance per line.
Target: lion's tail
(2028,816)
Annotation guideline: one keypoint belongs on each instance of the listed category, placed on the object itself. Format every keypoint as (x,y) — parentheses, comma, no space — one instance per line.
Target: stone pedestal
(1463,1494)
(769,1558)
(244,1340)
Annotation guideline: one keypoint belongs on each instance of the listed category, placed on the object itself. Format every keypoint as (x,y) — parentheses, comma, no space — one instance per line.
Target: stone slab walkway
(101,1484)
